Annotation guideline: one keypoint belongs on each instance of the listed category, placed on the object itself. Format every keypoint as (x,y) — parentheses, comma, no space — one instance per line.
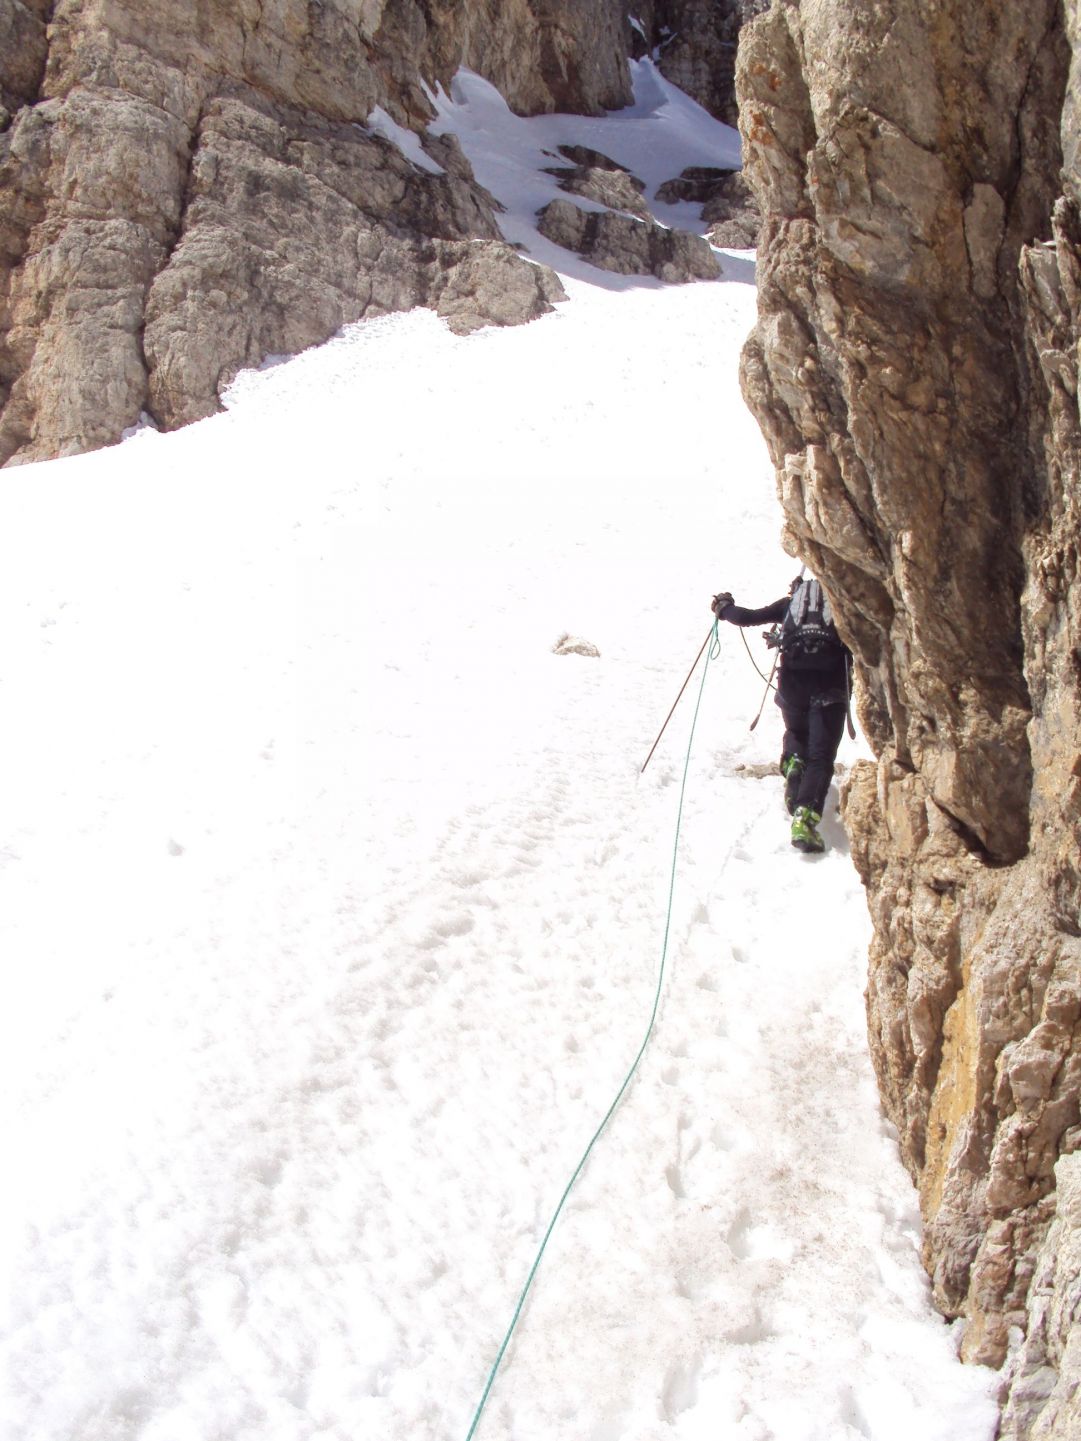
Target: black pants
(813,727)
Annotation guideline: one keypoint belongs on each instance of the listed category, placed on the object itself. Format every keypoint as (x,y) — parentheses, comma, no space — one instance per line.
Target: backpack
(809,639)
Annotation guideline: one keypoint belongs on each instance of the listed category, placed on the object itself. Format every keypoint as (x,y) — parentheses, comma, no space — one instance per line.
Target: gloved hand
(720,601)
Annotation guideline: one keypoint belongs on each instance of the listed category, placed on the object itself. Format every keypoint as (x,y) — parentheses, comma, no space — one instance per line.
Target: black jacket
(824,682)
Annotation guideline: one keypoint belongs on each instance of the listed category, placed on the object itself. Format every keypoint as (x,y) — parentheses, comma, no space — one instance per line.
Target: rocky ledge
(614,241)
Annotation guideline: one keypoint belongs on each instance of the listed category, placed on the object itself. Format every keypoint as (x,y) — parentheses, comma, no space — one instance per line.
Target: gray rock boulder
(697,185)
(473,283)
(575,645)
(612,187)
(583,155)
(728,204)
(619,243)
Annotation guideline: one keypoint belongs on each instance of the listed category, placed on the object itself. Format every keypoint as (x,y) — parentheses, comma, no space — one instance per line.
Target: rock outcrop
(727,203)
(914,369)
(575,645)
(601,180)
(614,241)
(185,189)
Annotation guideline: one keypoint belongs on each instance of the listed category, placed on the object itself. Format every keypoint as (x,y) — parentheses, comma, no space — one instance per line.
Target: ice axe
(769,686)
(709,636)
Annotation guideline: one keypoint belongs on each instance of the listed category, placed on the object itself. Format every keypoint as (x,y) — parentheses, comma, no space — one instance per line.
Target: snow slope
(332,900)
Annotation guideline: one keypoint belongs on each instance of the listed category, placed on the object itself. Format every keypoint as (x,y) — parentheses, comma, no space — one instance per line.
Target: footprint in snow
(750,1332)
(465,878)
(268,1170)
(722,1139)
(740,1234)
(445,929)
(680,1389)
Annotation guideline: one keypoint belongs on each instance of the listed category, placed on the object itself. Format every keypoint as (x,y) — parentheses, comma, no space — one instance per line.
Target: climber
(813,690)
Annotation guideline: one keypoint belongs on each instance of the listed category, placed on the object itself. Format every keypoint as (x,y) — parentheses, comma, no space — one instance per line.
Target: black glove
(720,601)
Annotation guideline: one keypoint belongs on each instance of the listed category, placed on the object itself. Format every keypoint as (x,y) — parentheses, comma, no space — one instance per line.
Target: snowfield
(332,903)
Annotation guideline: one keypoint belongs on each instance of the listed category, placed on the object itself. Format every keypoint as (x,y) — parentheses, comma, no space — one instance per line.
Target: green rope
(711,654)
(767,678)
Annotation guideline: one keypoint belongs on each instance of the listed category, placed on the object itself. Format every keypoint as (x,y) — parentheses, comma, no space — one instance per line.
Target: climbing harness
(713,642)
(773,639)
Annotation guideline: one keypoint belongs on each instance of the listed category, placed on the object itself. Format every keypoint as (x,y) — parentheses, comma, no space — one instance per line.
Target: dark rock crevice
(175,235)
(24,50)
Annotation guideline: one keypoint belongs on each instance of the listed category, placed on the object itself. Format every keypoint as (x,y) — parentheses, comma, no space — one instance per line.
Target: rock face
(695,43)
(184,189)
(1045,1402)
(914,369)
(617,242)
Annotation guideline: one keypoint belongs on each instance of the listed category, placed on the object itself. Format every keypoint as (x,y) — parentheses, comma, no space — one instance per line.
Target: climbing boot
(805,835)
(792,769)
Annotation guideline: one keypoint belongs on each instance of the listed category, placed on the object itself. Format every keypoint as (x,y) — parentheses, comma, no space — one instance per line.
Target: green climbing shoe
(805,835)
(792,769)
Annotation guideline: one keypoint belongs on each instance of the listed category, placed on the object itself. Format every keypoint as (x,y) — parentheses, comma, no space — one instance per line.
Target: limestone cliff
(915,371)
(185,189)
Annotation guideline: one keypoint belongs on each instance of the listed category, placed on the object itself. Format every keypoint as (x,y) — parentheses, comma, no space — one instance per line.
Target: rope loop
(767,678)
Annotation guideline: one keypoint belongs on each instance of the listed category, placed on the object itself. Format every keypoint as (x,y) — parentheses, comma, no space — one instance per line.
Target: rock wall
(914,369)
(185,189)
(695,42)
